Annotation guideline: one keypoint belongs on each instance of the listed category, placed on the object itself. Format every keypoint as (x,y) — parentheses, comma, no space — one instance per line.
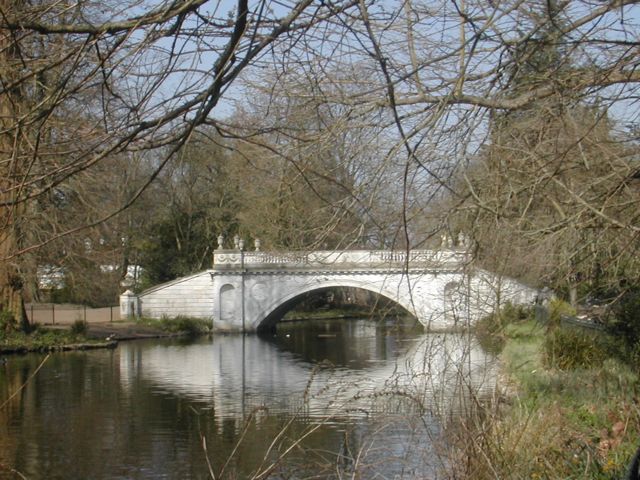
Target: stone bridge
(247,291)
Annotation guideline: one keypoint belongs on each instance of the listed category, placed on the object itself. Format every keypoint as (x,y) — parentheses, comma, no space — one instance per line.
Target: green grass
(574,419)
(41,339)
(317,314)
(521,353)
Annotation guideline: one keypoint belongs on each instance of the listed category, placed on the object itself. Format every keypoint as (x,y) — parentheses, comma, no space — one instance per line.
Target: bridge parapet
(337,260)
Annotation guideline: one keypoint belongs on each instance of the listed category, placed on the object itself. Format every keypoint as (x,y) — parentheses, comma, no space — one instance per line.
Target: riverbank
(50,340)
(340,313)
(85,336)
(571,408)
(297,316)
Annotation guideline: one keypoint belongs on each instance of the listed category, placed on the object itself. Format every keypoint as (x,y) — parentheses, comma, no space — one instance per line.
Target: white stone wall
(419,293)
(489,292)
(237,301)
(439,300)
(191,296)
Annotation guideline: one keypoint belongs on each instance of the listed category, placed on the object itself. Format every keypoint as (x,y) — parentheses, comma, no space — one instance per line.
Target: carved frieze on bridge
(341,260)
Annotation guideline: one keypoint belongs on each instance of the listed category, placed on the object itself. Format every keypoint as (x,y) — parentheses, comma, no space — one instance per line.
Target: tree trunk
(573,293)
(12,311)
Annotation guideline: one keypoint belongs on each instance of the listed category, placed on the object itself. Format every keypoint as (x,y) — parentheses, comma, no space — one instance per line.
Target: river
(318,399)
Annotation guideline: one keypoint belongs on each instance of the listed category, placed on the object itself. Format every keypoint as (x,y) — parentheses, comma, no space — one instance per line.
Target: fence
(542,315)
(66,314)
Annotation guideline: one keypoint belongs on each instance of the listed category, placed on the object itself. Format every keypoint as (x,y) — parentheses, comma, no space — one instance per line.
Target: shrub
(7,321)
(626,318)
(558,309)
(570,348)
(79,327)
(184,325)
(489,329)
(489,335)
(514,313)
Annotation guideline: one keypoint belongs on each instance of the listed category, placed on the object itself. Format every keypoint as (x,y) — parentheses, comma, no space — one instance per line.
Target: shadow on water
(330,397)
(352,343)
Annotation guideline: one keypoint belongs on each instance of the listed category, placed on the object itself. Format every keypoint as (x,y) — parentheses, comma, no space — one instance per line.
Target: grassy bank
(80,335)
(46,340)
(179,325)
(572,410)
(352,311)
(296,315)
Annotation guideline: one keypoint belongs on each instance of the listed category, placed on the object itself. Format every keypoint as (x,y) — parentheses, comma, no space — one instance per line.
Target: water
(320,401)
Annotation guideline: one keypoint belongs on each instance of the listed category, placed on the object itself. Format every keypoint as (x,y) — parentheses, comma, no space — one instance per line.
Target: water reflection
(353,344)
(301,371)
(143,410)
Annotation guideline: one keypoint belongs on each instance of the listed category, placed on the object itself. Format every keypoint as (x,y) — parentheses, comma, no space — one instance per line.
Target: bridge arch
(266,317)
(245,291)
(271,318)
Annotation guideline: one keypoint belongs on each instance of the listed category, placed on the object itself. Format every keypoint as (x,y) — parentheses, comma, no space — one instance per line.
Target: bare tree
(440,74)
(82,82)
(320,178)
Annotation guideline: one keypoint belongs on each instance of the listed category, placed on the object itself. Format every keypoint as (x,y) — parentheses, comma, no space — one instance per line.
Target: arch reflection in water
(379,373)
(150,404)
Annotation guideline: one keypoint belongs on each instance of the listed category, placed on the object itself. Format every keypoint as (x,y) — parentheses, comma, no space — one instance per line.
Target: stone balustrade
(330,259)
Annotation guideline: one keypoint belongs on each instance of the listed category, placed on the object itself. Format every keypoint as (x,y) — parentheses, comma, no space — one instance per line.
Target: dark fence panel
(542,315)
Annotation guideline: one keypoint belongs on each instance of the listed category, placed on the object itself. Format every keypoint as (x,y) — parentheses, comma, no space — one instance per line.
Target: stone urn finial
(444,240)
(236,241)
(241,244)
(220,242)
(256,242)
(462,240)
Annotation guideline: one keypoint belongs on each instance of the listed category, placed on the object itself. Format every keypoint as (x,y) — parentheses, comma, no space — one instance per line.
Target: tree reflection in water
(318,401)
